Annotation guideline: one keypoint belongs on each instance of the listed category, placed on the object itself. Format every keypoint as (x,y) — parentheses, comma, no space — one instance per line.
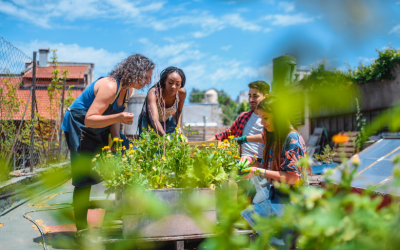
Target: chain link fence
(30,113)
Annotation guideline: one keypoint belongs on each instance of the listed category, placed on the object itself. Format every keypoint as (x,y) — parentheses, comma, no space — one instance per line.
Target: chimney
(43,56)
(27,63)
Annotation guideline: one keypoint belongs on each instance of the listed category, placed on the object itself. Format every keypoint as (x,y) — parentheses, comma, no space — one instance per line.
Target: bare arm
(212,138)
(152,107)
(105,94)
(282,176)
(255,138)
(182,97)
(115,129)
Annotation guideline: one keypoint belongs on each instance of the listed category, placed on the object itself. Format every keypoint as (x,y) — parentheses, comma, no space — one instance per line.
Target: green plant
(159,162)
(381,68)
(11,108)
(360,123)
(327,155)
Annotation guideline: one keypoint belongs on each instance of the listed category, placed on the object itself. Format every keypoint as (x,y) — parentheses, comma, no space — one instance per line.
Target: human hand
(250,172)
(241,139)
(245,161)
(126,118)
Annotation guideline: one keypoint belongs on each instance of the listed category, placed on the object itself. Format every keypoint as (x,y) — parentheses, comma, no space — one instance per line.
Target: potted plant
(169,173)
(324,160)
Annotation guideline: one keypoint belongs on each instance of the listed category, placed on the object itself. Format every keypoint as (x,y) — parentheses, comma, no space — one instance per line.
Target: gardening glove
(250,172)
(246,161)
(241,139)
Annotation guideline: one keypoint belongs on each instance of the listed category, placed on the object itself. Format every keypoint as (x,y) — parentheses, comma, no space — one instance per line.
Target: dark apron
(84,144)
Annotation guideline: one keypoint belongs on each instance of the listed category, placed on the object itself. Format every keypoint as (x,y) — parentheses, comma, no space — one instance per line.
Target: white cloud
(366,60)
(203,70)
(395,30)
(172,54)
(104,60)
(208,23)
(287,20)
(286,6)
(42,12)
(226,48)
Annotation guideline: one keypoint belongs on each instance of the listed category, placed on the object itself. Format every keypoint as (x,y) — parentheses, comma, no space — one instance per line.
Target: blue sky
(220,44)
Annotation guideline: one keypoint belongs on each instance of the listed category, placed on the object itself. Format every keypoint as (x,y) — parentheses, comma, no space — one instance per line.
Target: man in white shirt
(248,123)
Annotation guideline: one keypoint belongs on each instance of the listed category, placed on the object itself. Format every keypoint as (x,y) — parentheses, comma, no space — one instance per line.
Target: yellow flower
(213,152)
(211,144)
(121,140)
(226,141)
(130,145)
(119,148)
(183,127)
(229,152)
(236,157)
(164,158)
(116,139)
(94,159)
(194,153)
(231,137)
(123,147)
(203,145)
(106,147)
(229,131)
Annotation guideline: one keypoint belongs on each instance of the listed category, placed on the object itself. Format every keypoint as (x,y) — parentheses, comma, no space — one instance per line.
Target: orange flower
(340,138)
(236,157)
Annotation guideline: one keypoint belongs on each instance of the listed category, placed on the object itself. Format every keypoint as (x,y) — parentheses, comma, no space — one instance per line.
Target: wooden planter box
(176,223)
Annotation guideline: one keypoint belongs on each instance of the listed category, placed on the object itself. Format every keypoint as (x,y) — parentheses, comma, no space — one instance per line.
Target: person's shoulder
(182,92)
(295,139)
(108,82)
(246,114)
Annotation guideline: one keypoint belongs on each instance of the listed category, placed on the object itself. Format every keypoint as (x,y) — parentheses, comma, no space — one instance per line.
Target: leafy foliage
(10,106)
(360,123)
(327,155)
(381,68)
(164,162)
(196,96)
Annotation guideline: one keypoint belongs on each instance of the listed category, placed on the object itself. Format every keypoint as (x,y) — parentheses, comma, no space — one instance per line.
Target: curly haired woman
(98,111)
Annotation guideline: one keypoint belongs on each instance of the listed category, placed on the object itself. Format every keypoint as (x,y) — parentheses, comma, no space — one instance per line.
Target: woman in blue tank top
(98,111)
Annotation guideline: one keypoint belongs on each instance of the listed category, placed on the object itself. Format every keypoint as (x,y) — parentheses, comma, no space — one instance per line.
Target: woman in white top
(162,109)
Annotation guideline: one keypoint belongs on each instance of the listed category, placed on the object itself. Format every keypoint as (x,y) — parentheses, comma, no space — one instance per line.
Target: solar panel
(376,164)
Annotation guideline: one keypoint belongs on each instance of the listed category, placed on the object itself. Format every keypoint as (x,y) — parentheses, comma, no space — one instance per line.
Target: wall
(135,105)
(372,96)
(375,99)
(193,114)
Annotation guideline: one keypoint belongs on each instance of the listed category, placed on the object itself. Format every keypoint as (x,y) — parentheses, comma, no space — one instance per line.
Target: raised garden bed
(177,221)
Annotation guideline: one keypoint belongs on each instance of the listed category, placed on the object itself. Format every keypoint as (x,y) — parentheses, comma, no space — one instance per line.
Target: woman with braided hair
(284,146)
(162,109)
